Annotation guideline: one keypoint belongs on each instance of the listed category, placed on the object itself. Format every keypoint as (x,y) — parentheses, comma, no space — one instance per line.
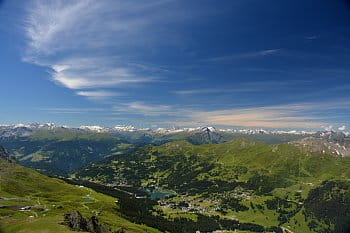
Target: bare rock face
(76,222)
(325,145)
(94,226)
(5,155)
(206,135)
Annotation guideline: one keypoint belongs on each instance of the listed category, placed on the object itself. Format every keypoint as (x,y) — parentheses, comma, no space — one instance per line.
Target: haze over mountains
(198,135)
(23,130)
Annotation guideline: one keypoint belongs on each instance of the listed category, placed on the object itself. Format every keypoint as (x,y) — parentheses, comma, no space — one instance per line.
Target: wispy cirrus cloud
(307,115)
(98,94)
(79,40)
(144,109)
(74,111)
(312,37)
(301,115)
(92,72)
(205,91)
(62,25)
(50,25)
(284,116)
(246,87)
(247,55)
(201,91)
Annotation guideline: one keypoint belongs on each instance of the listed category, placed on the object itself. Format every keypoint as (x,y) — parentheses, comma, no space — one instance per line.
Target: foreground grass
(49,200)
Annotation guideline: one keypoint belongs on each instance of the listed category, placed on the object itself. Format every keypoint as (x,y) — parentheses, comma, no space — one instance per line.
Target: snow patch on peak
(128,128)
(94,128)
(209,129)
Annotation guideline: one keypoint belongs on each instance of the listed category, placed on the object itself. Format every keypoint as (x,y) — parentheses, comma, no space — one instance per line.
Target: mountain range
(199,135)
(175,180)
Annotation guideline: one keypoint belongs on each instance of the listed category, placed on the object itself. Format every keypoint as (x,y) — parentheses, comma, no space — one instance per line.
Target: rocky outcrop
(5,155)
(76,222)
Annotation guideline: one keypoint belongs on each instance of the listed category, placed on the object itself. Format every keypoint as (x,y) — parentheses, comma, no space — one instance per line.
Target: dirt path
(286,230)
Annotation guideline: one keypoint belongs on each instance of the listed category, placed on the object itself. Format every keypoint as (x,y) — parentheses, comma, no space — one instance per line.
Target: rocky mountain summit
(205,135)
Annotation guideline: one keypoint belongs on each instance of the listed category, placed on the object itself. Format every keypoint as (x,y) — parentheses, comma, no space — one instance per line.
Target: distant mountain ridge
(62,150)
(27,129)
(198,135)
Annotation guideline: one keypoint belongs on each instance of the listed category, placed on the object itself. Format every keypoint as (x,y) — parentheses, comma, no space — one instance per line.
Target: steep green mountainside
(266,184)
(58,152)
(33,203)
(180,164)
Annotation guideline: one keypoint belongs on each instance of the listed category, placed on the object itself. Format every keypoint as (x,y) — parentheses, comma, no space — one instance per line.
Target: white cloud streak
(207,91)
(78,73)
(74,110)
(61,25)
(147,109)
(303,115)
(255,54)
(244,87)
(98,94)
(78,40)
(285,116)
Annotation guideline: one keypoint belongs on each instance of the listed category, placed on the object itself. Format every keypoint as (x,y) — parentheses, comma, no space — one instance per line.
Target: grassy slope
(61,151)
(50,200)
(287,164)
(272,158)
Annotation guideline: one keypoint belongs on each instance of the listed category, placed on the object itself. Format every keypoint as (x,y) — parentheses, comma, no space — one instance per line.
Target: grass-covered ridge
(48,200)
(59,152)
(240,160)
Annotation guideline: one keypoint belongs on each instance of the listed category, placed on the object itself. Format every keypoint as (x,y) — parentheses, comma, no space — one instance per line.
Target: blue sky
(161,63)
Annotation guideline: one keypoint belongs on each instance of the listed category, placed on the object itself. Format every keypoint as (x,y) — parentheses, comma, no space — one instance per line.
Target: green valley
(249,181)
